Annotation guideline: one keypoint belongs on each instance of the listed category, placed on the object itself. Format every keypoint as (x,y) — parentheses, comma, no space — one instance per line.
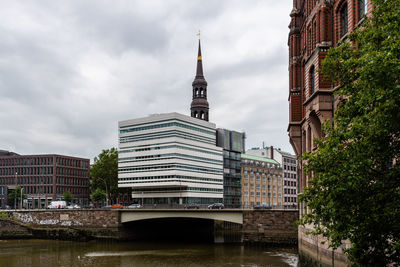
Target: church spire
(199,107)
(199,70)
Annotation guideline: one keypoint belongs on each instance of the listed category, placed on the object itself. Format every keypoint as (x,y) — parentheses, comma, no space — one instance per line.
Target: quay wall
(270,227)
(314,250)
(64,217)
(77,225)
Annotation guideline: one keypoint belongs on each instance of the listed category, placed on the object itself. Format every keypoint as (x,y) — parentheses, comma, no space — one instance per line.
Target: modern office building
(289,165)
(233,144)
(44,178)
(170,159)
(262,182)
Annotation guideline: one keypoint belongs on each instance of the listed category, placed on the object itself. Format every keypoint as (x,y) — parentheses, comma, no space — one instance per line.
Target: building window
(343,20)
(362,8)
(312,82)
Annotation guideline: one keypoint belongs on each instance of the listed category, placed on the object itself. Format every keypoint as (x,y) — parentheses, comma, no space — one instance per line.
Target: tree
(104,173)
(354,190)
(68,196)
(15,195)
(98,195)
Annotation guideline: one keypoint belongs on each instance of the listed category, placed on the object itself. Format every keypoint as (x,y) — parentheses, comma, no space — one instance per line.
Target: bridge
(264,226)
(228,215)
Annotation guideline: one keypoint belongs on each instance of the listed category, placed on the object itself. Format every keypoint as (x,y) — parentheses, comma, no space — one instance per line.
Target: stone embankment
(11,229)
(270,227)
(77,225)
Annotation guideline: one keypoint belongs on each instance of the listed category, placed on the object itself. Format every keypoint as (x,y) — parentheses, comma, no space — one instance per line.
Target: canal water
(49,253)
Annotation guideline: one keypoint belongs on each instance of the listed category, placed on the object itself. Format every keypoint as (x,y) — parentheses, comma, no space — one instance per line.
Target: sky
(70,70)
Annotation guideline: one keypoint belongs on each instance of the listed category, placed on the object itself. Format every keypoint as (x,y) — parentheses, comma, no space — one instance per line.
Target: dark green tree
(68,196)
(15,195)
(98,195)
(104,173)
(354,192)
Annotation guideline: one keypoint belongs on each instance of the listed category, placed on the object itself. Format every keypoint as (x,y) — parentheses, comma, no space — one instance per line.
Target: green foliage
(3,215)
(68,196)
(16,195)
(104,173)
(98,195)
(355,190)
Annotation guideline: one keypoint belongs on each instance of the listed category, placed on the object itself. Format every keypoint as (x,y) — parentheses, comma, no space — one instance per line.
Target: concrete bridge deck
(229,215)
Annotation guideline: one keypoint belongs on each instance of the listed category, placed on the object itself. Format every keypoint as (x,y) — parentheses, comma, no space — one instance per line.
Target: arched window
(312,80)
(195,115)
(362,8)
(196,92)
(343,20)
(202,115)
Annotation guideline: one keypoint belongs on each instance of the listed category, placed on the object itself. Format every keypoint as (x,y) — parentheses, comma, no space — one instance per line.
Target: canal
(100,253)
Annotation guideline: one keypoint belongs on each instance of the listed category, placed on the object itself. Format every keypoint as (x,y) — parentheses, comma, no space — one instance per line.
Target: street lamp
(105,183)
(15,191)
(22,189)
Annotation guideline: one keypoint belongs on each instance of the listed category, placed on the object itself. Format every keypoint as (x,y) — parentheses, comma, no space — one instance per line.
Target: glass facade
(233,144)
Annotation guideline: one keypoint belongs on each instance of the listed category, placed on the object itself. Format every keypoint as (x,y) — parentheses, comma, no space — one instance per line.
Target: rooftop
(251,157)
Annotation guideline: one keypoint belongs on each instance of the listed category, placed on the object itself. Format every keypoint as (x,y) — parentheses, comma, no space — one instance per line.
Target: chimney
(272,152)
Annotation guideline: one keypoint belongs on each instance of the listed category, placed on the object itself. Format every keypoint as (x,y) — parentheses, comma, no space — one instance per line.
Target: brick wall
(270,226)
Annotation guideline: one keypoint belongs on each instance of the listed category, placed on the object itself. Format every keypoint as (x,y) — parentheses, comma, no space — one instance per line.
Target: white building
(170,159)
(288,163)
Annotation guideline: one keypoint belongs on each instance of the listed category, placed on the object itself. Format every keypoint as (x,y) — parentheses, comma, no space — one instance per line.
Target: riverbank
(13,229)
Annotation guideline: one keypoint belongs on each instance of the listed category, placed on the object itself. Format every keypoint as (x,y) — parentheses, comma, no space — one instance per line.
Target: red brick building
(316,25)
(44,178)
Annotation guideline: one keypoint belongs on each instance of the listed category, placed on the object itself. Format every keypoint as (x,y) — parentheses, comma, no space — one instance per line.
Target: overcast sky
(70,70)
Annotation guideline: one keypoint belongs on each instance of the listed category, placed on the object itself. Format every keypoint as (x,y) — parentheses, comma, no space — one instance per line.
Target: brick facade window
(343,20)
(362,8)
(312,80)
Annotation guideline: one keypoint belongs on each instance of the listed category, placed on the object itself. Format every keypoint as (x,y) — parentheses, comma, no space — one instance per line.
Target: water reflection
(64,253)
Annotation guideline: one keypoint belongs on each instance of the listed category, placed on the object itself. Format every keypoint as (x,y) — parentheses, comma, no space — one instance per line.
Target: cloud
(69,71)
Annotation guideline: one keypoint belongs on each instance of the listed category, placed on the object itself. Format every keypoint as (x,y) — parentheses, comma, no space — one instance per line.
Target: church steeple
(199,107)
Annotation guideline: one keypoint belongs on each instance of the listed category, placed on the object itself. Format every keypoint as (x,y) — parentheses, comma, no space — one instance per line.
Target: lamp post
(15,191)
(40,193)
(105,183)
(22,189)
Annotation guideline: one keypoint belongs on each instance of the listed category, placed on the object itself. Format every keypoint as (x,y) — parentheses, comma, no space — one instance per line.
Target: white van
(59,204)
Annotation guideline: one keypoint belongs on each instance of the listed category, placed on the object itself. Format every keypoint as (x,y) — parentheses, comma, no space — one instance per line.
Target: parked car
(117,206)
(134,206)
(216,206)
(58,204)
(192,206)
(261,207)
(74,206)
